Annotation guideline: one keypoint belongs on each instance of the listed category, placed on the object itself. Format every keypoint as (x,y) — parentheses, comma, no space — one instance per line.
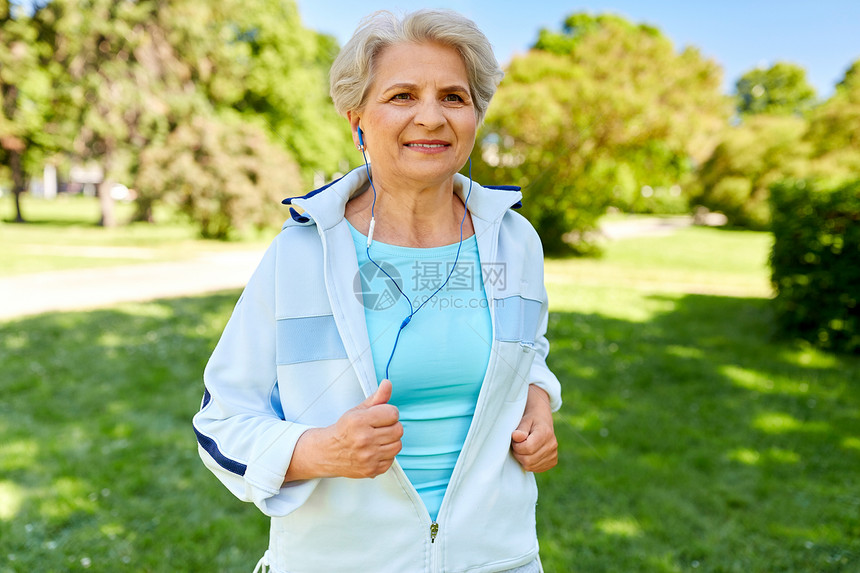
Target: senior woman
(381,390)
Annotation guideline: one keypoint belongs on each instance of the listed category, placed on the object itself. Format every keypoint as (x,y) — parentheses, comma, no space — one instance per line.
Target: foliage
(24,94)
(284,84)
(751,157)
(779,89)
(816,263)
(591,116)
(226,176)
(773,142)
(103,92)
(128,74)
(834,130)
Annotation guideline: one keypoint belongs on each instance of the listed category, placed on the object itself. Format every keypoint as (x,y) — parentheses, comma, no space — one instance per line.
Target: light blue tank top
(441,357)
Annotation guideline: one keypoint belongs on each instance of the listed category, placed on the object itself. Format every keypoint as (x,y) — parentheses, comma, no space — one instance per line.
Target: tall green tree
(779,89)
(834,130)
(851,81)
(136,72)
(190,66)
(105,100)
(223,173)
(285,84)
(593,114)
(752,156)
(256,57)
(781,136)
(24,97)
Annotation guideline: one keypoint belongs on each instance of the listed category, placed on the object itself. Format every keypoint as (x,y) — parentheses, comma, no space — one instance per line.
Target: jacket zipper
(434,549)
(434,525)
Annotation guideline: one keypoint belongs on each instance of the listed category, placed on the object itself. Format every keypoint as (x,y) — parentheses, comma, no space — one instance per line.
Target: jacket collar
(325,206)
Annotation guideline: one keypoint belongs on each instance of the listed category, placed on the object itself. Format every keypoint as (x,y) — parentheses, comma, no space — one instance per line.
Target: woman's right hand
(361,444)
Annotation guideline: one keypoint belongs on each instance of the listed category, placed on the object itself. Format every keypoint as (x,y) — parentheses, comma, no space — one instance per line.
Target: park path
(83,289)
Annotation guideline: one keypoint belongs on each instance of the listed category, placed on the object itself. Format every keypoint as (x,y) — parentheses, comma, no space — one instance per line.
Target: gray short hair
(352,71)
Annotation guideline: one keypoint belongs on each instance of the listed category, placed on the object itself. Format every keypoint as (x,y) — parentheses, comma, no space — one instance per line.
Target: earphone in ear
(360,139)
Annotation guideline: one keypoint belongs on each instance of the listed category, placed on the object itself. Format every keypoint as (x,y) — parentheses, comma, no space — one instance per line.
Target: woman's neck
(428,217)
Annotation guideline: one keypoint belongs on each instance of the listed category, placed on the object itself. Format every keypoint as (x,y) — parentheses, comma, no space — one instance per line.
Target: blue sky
(823,36)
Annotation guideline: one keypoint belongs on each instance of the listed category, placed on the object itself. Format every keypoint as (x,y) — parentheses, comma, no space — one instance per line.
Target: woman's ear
(357,133)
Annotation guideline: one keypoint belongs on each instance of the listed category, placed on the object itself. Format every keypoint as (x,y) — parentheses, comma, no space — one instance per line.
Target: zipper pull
(434,529)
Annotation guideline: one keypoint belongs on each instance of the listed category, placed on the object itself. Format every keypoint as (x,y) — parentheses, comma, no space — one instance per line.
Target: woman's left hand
(533,442)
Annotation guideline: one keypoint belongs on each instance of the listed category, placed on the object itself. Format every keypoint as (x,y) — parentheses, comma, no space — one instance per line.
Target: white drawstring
(262,564)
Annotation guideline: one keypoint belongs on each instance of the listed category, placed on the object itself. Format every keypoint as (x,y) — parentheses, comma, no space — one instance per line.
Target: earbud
(360,139)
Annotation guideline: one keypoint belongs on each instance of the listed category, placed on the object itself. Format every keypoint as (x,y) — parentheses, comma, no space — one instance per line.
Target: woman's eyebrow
(410,86)
(454,88)
(401,86)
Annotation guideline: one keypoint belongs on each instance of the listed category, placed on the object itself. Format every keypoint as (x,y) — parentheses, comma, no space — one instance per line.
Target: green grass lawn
(691,440)
(63,234)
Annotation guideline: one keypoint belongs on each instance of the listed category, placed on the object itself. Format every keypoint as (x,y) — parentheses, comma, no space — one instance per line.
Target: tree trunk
(143,211)
(14,147)
(19,217)
(19,183)
(106,201)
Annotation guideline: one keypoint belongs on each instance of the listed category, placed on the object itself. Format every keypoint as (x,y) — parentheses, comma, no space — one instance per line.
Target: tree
(255,57)
(834,130)
(223,173)
(285,84)
(135,72)
(779,89)
(782,137)
(24,91)
(189,66)
(851,81)
(751,157)
(268,68)
(593,114)
(125,76)
(106,106)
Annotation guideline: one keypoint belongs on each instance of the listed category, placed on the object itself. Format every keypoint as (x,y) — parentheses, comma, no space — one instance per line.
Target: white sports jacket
(295,355)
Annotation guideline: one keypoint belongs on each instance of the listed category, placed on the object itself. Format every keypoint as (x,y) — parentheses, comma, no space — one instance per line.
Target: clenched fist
(361,444)
(533,442)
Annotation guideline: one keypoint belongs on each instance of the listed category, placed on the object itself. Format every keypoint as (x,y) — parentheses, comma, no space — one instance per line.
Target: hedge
(815,262)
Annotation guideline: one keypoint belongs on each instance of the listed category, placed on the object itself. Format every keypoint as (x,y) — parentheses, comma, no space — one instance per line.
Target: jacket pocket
(517,321)
(308,339)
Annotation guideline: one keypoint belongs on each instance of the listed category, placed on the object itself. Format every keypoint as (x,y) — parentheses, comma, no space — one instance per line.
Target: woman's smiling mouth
(427,145)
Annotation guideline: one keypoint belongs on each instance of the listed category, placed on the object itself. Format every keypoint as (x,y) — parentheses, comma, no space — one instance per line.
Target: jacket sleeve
(540,375)
(241,435)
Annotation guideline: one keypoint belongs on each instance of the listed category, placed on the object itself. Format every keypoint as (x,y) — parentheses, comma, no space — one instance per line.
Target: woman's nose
(429,114)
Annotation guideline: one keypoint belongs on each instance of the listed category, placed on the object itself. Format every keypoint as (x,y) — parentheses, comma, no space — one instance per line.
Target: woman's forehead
(412,63)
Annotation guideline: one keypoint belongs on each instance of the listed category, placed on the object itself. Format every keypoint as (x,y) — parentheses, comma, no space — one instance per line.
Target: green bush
(815,262)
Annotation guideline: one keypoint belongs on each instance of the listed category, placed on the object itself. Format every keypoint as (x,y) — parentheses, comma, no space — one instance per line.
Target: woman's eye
(403,96)
(454,97)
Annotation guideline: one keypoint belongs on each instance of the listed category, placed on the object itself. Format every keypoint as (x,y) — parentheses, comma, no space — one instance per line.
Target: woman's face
(419,120)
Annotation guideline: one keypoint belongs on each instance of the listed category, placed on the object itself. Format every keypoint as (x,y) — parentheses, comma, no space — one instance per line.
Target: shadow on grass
(53,222)
(688,443)
(98,461)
